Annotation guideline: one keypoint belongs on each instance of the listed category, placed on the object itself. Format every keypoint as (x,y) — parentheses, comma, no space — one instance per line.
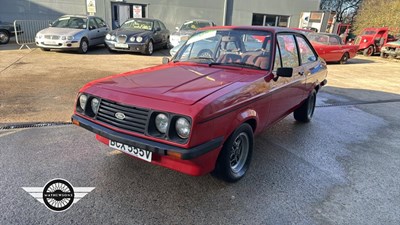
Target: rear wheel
(4,37)
(344,58)
(369,51)
(306,111)
(84,46)
(235,156)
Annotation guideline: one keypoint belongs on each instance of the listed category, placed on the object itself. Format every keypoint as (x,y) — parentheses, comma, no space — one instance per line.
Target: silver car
(187,29)
(75,32)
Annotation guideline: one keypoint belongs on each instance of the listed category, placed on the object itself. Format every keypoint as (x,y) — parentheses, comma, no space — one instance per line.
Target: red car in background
(330,47)
(199,113)
(371,40)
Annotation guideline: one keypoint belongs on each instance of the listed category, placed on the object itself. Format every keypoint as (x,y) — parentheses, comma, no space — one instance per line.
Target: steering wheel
(206,53)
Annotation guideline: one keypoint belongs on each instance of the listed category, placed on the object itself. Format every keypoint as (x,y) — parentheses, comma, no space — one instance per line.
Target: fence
(26,30)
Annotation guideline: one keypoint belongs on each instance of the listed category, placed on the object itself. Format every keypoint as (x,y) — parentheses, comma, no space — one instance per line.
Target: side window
(100,22)
(288,50)
(306,52)
(334,40)
(92,24)
(156,25)
(162,26)
(277,63)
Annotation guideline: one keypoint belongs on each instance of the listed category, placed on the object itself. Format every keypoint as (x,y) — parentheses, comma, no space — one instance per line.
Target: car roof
(146,19)
(77,15)
(255,28)
(199,20)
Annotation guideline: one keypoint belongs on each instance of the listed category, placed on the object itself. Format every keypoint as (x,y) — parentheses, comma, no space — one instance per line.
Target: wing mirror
(165,60)
(177,29)
(92,27)
(284,72)
(157,29)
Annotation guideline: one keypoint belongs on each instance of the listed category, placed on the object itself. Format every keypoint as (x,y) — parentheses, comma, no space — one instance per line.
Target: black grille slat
(135,118)
(121,125)
(127,109)
(128,118)
(113,110)
(125,122)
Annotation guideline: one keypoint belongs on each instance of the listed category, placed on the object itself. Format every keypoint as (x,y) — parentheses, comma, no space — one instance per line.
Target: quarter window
(288,50)
(306,52)
(278,63)
(100,22)
(92,24)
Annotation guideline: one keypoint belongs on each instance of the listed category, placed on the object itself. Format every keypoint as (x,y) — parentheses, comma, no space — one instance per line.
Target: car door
(334,49)
(94,33)
(286,92)
(310,63)
(102,27)
(157,36)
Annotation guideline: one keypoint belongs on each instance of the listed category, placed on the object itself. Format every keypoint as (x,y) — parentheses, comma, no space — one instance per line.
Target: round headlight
(132,39)
(95,105)
(182,127)
(108,36)
(112,37)
(162,123)
(82,101)
(139,39)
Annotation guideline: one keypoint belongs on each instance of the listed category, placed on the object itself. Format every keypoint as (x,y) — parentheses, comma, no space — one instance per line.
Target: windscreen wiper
(241,64)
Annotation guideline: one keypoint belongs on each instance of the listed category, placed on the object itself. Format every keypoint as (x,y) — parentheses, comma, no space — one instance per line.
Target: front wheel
(384,55)
(149,48)
(235,156)
(84,46)
(368,51)
(344,58)
(4,37)
(306,111)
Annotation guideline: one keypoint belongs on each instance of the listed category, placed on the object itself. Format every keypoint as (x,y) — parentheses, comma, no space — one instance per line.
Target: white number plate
(119,45)
(137,152)
(49,42)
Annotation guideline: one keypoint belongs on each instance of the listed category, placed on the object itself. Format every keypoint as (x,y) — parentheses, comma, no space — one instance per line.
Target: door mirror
(158,29)
(165,60)
(92,27)
(50,24)
(284,72)
(177,29)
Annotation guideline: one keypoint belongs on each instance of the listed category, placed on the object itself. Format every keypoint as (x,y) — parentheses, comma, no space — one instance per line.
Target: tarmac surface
(342,168)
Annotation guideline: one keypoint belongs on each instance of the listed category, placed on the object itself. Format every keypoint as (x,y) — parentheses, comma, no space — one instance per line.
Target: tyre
(83,46)
(166,46)
(384,55)
(149,48)
(306,111)
(344,58)
(235,156)
(45,49)
(4,37)
(368,51)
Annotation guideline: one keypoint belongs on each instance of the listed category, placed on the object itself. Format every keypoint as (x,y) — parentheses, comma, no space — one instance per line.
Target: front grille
(135,118)
(52,37)
(357,41)
(121,39)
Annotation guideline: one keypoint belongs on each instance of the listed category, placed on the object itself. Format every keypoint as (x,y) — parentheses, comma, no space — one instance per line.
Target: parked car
(371,40)
(187,29)
(198,114)
(72,32)
(330,47)
(138,35)
(391,49)
(7,31)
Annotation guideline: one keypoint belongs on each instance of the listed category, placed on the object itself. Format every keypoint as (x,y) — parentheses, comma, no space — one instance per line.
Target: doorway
(122,11)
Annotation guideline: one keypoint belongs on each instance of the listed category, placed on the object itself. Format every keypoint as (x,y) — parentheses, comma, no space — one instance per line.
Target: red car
(199,112)
(371,40)
(330,47)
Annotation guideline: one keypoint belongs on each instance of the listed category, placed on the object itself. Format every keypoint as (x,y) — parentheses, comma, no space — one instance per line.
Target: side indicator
(75,122)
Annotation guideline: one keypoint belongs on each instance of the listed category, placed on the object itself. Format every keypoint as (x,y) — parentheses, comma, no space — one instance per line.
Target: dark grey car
(138,35)
(7,31)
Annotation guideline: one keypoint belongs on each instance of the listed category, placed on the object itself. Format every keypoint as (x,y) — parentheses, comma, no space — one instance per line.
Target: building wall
(172,12)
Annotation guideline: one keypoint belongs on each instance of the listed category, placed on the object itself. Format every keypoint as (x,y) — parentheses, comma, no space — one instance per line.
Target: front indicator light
(95,105)
(82,101)
(174,154)
(182,127)
(161,122)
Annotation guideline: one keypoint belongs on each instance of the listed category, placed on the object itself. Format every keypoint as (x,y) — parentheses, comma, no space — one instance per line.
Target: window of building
(270,20)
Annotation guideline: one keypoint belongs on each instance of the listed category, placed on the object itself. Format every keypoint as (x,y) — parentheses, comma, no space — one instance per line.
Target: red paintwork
(332,52)
(217,98)
(364,41)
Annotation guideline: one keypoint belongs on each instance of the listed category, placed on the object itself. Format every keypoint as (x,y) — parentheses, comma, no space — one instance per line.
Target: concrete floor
(339,169)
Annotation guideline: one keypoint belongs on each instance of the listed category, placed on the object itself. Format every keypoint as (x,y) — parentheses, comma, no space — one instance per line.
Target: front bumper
(153,146)
(132,47)
(57,44)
